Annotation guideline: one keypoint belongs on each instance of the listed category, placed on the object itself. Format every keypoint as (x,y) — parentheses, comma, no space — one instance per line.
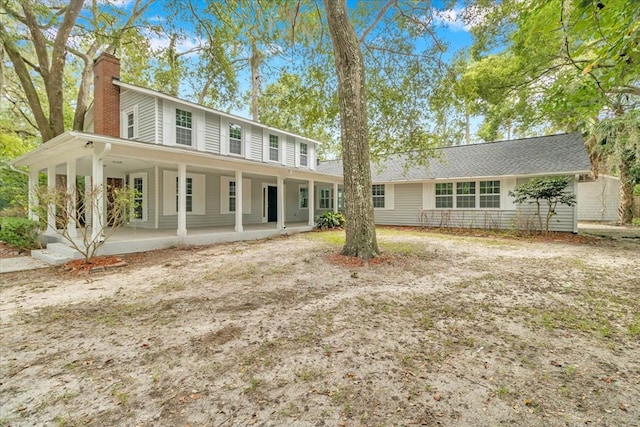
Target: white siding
(403,203)
(562,221)
(598,200)
(146,113)
(212,137)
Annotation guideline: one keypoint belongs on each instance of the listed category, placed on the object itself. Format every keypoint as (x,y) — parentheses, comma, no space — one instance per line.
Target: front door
(112,184)
(272,203)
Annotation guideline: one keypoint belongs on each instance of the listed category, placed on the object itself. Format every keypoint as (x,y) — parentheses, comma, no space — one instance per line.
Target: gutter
(15,169)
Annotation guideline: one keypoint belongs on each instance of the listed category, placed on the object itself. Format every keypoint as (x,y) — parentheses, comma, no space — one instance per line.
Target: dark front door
(272,204)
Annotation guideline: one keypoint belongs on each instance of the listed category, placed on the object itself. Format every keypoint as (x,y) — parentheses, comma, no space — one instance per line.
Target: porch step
(49,257)
(62,249)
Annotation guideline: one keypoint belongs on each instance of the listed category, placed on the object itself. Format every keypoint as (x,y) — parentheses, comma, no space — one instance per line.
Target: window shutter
(311,156)
(169,193)
(224,136)
(199,193)
(199,130)
(296,154)
(168,123)
(283,150)
(246,196)
(265,145)
(224,194)
(123,125)
(389,198)
(246,135)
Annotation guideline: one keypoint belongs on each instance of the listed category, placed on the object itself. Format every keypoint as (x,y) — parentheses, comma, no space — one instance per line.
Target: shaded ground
(443,330)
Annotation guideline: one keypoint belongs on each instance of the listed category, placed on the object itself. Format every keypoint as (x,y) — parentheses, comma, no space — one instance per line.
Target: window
(138,201)
(340,198)
(444,195)
(377,190)
(183,127)
(303,154)
(130,125)
(189,194)
(235,138)
(232,196)
(303,198)
(325,201)
(465,195)
(274,151)
(490,194)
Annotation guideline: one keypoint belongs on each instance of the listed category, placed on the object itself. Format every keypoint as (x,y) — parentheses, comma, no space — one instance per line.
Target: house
(205,176)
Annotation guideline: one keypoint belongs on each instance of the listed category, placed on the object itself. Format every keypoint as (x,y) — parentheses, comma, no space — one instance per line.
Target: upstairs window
(490,194)
(444,195)
(274,148)
(465,195)
(235,138)
(131,121)
(377,191)
(303,154)
(184,126)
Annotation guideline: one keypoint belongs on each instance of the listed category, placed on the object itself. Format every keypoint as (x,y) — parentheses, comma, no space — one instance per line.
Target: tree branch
(375,22)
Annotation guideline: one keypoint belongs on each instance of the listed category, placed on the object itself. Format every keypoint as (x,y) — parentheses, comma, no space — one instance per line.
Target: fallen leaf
(528,402)
(607,379)
(195,396)
(622,407)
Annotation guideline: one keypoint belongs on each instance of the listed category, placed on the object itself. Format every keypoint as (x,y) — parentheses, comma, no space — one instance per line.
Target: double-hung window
(184,127)
(377,191)
(444,195)
(274,148)
(235,138)
(325,200)
(303,198)
(303,154)
(489,194)
(232,196)
(131,122)
(138,197)
(189,194)
(466,195)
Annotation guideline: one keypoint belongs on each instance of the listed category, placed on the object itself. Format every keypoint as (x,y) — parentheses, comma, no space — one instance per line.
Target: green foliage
(330,220)
(14,186)
(552,190)
(20,233)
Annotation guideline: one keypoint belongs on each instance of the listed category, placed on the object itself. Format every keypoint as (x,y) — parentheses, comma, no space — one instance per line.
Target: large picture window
(490,194)
(184,126)
(235,138)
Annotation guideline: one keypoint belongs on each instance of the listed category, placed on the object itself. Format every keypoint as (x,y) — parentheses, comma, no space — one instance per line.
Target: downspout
(576,180)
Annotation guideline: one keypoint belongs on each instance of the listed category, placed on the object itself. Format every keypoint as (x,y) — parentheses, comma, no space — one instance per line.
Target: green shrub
(330,220)
(21,233)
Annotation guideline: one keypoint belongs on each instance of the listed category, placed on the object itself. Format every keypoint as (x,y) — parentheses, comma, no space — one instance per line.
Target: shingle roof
(553,154)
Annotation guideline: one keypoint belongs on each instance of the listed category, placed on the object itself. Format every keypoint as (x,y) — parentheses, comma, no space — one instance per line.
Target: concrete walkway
(21,263)
(612,231)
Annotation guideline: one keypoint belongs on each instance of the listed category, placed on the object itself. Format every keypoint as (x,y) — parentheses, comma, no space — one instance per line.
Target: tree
(64,205)
(360,228)
(38,39)
(551,190)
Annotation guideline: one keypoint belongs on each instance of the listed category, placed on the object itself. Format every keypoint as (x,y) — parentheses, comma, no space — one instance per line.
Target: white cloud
(460,19)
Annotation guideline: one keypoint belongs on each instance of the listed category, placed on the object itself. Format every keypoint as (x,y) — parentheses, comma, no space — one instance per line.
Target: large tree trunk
(360,227)
(255,61)
(625,208)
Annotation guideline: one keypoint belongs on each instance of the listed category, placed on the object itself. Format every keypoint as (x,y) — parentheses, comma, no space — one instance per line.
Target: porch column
(280,203)
(51,216)
(311,202)
(72,193)
(182,200)
(96,196)
(239,197)
(576,180)
(335,197)
(33,195)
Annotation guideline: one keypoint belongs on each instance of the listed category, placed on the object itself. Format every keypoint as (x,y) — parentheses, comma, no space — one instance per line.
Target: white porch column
(335,197)
(96,197)
(182,200)
(33,195)
(280,203)
(239,197)
(576,180)
(51,217)
(71,202)
(311,202)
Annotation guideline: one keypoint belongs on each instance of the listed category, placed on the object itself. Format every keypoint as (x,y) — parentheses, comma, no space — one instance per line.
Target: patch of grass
(253,385)
(334,237)
(502,391)
(402,248)
(634,326)
(309,373)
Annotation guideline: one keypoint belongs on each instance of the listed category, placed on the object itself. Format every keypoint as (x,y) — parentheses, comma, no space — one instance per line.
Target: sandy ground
(443,330)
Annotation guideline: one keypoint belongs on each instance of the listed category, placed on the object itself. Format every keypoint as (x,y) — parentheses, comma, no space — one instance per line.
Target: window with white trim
(466,195)
(274,148)
(232,196)
(235,139)
(377,192)
(340,198)
(189,194)
(131,122)
(490,194)
(325,201)
(138,183)
(303,154)
(303,197)
(444,195)
(184,127)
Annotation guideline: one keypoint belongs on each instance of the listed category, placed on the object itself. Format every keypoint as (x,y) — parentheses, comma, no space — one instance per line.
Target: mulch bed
(97,264)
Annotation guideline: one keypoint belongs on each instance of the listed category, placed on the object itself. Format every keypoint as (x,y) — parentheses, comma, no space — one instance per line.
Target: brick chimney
(106,96)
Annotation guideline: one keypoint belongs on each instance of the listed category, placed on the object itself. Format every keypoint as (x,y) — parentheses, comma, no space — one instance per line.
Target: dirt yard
(443,330)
